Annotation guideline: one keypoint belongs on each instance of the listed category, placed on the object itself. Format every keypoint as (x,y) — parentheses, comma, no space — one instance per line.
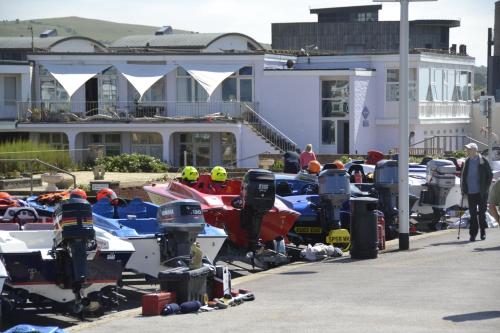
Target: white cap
(471,145)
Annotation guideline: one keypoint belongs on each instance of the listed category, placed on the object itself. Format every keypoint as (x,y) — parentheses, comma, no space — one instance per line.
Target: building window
(58,141)
(188,89)
(109,87)
(334,98)
(392,85)
(111,142)
(239,86)
(154,94)
(436,84)
(9,90)
(197,147)
(50,89)
(328,132)
(228,143)
(147,144)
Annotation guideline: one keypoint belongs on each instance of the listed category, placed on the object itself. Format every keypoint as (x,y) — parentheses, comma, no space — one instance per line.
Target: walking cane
(460,218)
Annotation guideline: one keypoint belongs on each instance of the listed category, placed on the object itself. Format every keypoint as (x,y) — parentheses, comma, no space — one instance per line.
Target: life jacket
(50,199)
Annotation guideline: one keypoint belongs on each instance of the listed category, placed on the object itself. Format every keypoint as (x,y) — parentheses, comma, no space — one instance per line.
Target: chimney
(49,33)
(462,49)
(453,49)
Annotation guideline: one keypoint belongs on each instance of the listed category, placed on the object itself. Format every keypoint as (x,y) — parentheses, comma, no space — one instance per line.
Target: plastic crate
(188,285)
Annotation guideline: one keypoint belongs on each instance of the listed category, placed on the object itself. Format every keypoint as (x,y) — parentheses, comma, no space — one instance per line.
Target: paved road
(441,285)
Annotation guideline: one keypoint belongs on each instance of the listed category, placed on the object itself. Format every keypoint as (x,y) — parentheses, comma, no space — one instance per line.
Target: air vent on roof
(165,30)
(49,33)
(462,49)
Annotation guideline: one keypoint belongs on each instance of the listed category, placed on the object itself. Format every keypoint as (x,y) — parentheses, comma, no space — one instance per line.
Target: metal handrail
(431,139)
(276,137)
(31,160)
(66,111)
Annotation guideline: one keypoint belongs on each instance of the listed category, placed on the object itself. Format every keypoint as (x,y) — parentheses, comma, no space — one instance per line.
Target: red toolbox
(381,230)
(153,304)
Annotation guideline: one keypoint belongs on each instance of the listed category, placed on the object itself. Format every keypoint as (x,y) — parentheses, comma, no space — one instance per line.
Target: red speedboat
(221,208)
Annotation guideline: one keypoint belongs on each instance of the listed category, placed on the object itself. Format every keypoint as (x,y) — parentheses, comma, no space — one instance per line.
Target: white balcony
(444,110)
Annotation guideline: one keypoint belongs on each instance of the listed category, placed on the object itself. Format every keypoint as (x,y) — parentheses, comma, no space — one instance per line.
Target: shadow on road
(451,243)
(483,315)
(298,273)
(496,248)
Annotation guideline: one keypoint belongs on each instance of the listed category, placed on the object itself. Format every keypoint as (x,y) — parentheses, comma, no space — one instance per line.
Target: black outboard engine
(257,193)
(386,183)
(74,239)
(334,189)
(440,179)
(180,222)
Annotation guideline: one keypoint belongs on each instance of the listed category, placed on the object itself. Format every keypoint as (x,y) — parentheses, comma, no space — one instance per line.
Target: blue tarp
(34,329)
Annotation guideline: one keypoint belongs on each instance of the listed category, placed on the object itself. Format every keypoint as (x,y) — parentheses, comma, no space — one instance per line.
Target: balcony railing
(444,110)
(57,111)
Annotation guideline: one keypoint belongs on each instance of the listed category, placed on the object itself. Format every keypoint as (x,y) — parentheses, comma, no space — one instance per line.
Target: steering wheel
(309,189)
(16,219)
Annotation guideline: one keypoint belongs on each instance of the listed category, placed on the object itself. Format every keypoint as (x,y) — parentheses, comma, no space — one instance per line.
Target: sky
(254,17)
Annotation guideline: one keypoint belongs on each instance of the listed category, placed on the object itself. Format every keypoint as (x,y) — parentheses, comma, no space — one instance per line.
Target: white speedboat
(69,262)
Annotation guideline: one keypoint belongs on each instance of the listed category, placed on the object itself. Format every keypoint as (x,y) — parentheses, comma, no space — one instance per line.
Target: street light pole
(403,155)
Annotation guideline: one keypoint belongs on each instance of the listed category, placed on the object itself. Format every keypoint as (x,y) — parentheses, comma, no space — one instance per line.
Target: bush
(32,150)
(277,166)
(132,163)
(459,154)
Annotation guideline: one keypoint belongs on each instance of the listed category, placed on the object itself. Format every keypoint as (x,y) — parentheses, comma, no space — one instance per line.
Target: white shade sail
(72,77)
(142,77)
(210,76)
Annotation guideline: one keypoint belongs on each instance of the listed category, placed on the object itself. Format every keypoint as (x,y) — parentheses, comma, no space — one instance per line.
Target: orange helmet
(314,167)
(4,195)
(339,164)
(79,192)
(106,193)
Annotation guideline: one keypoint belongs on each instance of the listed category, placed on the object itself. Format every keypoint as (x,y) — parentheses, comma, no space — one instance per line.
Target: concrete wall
(22,75)
(250,146)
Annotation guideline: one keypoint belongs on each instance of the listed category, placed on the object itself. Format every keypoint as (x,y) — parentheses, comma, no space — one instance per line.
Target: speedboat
(222,208)
(138,223)
(69,262)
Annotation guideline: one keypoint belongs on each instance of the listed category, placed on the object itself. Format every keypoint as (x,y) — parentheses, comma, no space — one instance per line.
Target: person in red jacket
(307,156)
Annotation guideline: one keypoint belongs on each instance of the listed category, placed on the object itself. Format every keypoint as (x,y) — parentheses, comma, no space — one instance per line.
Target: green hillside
(103,31)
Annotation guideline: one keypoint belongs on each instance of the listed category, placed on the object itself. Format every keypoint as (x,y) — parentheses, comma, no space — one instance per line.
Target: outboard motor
(386,184)
(180,222)
(74,239)
(334,189)
(440,179)
(257,193)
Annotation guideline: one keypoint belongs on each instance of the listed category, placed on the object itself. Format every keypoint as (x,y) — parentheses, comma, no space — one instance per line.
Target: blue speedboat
(137,222)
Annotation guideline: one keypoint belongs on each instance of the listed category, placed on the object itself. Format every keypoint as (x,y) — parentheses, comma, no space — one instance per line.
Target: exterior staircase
(266,130)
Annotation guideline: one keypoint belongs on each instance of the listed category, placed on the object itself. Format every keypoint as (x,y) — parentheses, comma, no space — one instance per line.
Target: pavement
(440,285)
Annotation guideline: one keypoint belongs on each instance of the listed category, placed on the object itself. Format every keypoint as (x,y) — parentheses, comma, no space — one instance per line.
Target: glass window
(109,87)
(328,132)
(95,138)
(335,98)
(247,70)
(423,83)
(239,86)
(113,138)
(451,84)
(246,90)
(188,89)
(112,150)
(438,84)
(9,90)
(228,143)
(392,85)
(154,94)
(229,92)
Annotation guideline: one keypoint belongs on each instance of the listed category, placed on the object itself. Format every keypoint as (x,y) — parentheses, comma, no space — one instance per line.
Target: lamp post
(403,189)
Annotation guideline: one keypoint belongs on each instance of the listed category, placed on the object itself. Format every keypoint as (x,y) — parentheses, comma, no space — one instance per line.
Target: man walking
(475,182)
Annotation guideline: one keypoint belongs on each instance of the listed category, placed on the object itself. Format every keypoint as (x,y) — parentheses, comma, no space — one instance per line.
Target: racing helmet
(190,174)
(314,167)
(106,193)
(339,164)
(218,174)
(4,195)
(80,193)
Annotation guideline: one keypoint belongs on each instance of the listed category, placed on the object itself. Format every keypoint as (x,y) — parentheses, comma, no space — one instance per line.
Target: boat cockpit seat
(9,226)
(38,226)
(104,208)
(136,207)
(283,189)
